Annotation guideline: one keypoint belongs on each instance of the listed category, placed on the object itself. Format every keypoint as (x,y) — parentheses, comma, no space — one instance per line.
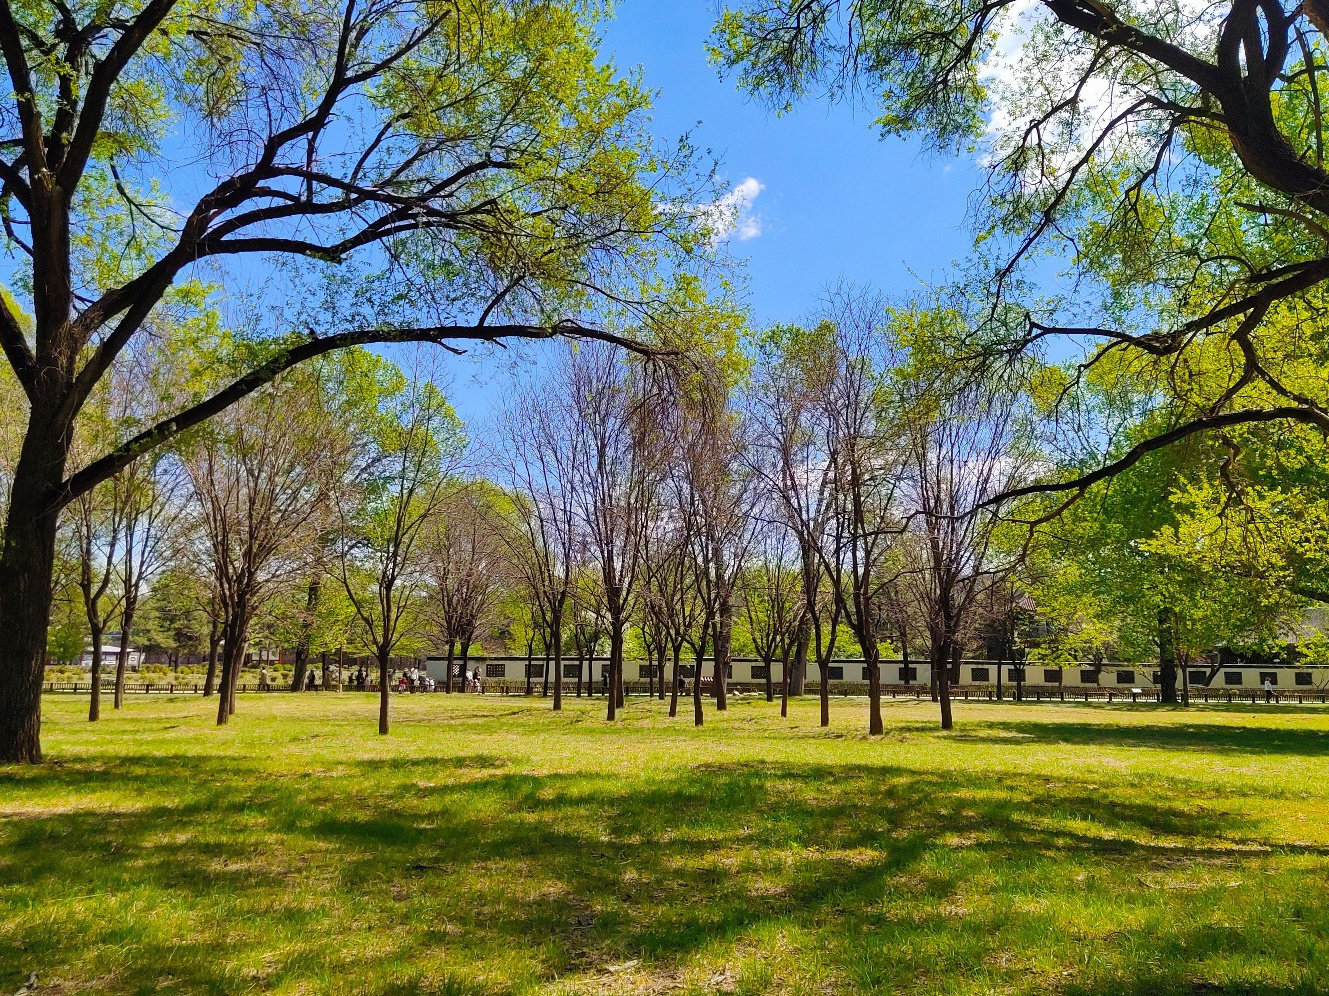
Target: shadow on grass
(894,877)
(1225,737)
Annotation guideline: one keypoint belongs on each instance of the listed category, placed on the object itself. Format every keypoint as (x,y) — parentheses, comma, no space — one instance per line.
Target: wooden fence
(963,693)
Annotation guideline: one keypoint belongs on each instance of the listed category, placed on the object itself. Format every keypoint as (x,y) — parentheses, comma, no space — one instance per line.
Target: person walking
(1268,690)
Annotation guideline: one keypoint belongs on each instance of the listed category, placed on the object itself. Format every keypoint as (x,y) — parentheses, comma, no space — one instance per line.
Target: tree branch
(167,429)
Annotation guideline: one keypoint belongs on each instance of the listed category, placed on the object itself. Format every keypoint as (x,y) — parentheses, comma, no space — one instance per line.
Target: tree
(463,171)
(616,474)
(718,499)
(406,457)
(98,533)
(153,502)
(263,476)
(671,595)
(1171,157)
(773,603)
(864,465)
(962,449)
(467,566)
(539,453)
(795,370)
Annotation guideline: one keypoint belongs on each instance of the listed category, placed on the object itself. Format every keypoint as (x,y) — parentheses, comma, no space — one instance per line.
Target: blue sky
(833,201)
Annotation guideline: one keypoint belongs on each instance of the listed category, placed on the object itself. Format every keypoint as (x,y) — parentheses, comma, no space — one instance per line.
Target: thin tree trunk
(558,665)
(616,652)
(384,667)
(697,717)
(784,686)
(825,666)
(447,675)
(95,705)
(122,658)
(673,690)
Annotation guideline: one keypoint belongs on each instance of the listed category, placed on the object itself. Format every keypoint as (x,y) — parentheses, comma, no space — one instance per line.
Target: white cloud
(732,213)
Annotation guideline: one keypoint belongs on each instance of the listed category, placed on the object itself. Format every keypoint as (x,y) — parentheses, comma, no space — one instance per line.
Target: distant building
(111,654)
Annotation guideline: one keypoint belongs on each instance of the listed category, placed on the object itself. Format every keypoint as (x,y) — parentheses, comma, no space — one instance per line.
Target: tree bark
(302,644)
(615,647)
(825,693)
(697,718)
(798,678)
(214,644)
(95,704)
(784,687)
(122,658)
(941,657)
(558,665)
(673,691)
(447,674)
(384,666)
(1167,655)
(530,660)
(27,567)
(724,633)
(875,725)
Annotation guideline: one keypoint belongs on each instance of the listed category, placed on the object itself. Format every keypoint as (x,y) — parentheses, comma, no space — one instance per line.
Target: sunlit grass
(490,846)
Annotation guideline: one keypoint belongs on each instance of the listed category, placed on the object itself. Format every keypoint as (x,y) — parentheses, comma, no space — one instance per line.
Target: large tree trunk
(447,674)
(95,704)
(875,725)
(233,649)
(214,644)
(1167,656)
(615,649)
(941,670)
(798,678)
(619,693)
(724,634)
(122,658)
(27,563)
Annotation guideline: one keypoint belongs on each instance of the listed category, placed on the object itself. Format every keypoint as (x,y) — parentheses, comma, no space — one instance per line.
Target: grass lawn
(491,846)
